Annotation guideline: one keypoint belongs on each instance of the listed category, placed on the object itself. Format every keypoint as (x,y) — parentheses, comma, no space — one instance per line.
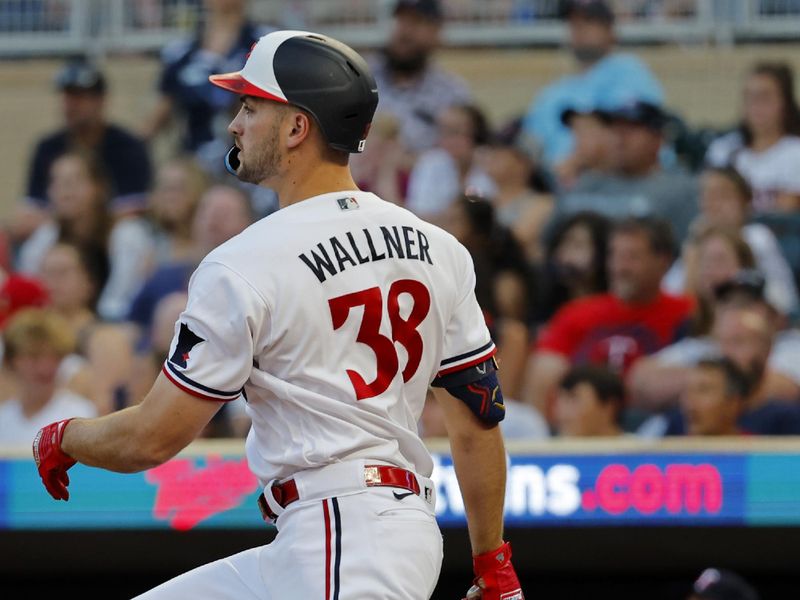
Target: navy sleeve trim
(197,389)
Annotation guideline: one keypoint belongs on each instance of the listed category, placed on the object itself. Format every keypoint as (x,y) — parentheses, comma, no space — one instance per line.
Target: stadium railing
(97,27)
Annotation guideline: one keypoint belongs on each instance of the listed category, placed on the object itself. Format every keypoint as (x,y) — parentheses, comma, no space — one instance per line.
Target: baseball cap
(80,75)
(595,10)
(637,111)
(427,8)
(719,584)
(573,111)
(749,281)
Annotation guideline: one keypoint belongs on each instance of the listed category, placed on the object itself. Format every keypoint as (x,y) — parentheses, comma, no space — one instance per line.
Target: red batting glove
(495,578)
(51,461)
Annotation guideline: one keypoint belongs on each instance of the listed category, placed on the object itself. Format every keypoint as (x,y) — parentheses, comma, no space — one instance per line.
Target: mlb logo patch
(347,203)
(515,595)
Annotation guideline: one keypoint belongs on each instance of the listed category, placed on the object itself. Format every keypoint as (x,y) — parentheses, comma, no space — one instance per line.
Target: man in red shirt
(615,329)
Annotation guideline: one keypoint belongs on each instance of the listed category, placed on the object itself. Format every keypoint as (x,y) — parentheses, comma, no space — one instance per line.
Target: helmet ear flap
(232,160)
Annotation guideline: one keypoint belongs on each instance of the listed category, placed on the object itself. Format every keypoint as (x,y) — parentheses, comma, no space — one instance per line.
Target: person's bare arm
(545,370)
(654,386)
(480,462)
(158,118)
(142,436)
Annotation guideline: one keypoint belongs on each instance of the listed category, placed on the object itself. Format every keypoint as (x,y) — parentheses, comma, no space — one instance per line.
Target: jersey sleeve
(467,340)
(211,355)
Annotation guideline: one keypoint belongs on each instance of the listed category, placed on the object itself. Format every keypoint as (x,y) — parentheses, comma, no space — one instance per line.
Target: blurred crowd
(639,277)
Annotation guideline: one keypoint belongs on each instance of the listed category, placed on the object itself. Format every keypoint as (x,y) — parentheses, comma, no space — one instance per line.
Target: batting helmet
(319,74)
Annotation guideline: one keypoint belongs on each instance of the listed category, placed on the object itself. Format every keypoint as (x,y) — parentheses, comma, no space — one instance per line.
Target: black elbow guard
(478,388)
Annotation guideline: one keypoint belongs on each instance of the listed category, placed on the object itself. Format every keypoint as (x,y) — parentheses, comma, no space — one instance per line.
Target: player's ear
(299,127)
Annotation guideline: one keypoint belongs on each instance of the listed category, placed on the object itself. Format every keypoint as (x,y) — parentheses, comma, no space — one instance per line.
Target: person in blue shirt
(220,44)
(605,78)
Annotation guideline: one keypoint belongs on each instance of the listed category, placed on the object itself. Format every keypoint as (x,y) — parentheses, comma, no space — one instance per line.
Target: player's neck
(311,179)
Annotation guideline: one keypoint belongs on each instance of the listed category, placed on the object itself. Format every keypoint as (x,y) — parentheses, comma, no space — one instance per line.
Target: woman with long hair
(765,148)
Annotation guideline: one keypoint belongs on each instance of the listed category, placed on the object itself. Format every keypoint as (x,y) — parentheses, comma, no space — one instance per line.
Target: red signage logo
(188,495)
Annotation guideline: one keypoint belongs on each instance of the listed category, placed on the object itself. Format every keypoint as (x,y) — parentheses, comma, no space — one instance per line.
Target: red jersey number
(404,331)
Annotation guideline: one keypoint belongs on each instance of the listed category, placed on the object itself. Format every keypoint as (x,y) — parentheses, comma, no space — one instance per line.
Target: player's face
(257,132)
(705,405)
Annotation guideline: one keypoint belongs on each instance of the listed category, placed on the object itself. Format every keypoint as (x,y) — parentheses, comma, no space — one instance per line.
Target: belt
(374,476)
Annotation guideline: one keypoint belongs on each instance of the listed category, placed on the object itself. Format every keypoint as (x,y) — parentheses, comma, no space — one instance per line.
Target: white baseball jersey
(332,316)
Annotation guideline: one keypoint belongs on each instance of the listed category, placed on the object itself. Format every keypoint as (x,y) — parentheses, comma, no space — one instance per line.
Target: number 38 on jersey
(403,331)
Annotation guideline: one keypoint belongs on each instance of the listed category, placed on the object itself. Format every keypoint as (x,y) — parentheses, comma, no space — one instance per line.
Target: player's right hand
(495,578)
(51,460)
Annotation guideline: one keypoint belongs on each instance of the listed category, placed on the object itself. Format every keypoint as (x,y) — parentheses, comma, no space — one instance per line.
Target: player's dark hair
(606,384)
(658,232)
(782,74)
(737,382)
(743,187)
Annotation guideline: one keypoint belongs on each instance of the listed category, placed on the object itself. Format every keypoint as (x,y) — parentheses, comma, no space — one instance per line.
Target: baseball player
(331,317)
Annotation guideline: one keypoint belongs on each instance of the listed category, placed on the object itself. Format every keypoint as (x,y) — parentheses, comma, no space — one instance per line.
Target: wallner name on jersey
(366,245)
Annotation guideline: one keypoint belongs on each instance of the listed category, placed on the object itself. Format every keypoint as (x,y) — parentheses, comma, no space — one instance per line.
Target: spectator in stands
(86,129)
(638,184)
(412,88)
(657,381)
(18,292)
(78,194)
(35,342)
(223,212)
(719,584)
(593,147)
(615,329)
(745,331)
(589,403)
(180,183)
(103,352)
(154,350)
(512,163)
(765,148)
(502,283)
(725,202)
(442,174)
(718,256)
(414,91)
(605,79)
(715,397)
(575,263)
(78,191)
(220,44)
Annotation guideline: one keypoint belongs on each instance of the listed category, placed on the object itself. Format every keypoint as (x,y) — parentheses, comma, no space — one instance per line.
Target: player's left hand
(495,578)
(51,460)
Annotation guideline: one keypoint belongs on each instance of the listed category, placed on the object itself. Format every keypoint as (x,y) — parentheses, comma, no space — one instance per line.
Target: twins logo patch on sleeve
(187,339)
